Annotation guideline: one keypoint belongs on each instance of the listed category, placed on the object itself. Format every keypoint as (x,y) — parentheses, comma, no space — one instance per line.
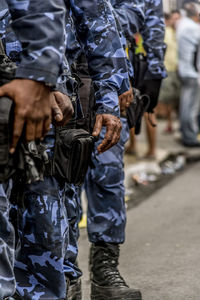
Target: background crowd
(179,97)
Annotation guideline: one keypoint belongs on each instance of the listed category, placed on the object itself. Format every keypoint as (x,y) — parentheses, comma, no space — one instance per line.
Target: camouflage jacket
(3,18)
(11,45)
(39,26)
(153,31)
(146,17)
(96,31)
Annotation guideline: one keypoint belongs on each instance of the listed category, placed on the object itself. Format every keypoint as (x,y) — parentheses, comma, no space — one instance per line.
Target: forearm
(97,33)
(153,32)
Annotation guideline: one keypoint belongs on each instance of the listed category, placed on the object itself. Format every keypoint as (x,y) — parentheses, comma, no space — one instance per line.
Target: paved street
(162,251)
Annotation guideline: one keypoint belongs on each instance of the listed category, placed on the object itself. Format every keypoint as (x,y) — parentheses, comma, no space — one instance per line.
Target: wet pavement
(161,255)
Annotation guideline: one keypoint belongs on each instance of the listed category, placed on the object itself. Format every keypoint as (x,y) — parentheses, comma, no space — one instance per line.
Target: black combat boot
(74,290)
(107,283)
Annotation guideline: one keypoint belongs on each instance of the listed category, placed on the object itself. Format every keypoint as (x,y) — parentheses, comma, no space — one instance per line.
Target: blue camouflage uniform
(105,181)
(74,50)
(34,64)
(41,249)
(153,31)
(11,44)
(48,51)
(7,234)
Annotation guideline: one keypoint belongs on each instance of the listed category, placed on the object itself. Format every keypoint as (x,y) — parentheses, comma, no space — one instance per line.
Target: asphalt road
(161,255)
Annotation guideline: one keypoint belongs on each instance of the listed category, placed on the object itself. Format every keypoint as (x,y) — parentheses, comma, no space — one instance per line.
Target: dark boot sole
(100,297)
(103,293)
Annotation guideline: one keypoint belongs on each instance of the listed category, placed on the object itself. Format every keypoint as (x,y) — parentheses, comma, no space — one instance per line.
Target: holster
(87,97)
(72,155)
(141,102)
(74,144)
(136,110)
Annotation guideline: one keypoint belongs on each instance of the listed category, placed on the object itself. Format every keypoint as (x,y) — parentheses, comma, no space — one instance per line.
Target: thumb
(98,125)
(56,111)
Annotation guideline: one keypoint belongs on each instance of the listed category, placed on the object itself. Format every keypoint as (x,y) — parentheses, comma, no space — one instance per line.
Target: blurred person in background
(175,18)
(170,89)
(188,37)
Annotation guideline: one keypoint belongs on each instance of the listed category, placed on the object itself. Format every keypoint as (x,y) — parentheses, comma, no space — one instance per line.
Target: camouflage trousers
(43,215)
(7,238)
(104,187)
(43,236)
(74,211)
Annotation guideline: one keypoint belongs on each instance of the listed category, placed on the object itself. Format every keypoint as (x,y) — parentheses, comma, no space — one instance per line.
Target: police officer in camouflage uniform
(31,95)
(105,181)
(36,268)
(114,159)
(73,50)
(71,270)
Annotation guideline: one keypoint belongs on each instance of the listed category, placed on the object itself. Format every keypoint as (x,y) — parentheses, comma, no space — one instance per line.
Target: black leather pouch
(72,155)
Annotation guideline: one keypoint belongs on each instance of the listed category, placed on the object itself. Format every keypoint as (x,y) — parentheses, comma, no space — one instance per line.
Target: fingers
(107,141)
(125,99)
(112,135)
(98,126)
(30,130)
(34,130)
(32,109)
(67,110)
(65,106)
(46,126)
(131,97)
(18,126)
(39,131)
(114,141)
(56,111)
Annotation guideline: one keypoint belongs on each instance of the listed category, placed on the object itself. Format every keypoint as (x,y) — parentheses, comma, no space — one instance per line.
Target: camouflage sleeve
(153,32)
(4,14)
(13,50)
(131,14)
(11,45)
(39,26)
(73,48)
(97,33)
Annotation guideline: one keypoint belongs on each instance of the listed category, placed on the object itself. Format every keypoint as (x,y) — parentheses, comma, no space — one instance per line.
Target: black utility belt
(72,155)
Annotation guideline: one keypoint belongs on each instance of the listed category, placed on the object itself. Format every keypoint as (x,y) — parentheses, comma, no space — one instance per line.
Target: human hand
(125,100)
(32,109)
(62,109)
(113,128)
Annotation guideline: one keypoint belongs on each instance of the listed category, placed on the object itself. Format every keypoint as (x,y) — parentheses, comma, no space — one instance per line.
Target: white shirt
(188,38)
